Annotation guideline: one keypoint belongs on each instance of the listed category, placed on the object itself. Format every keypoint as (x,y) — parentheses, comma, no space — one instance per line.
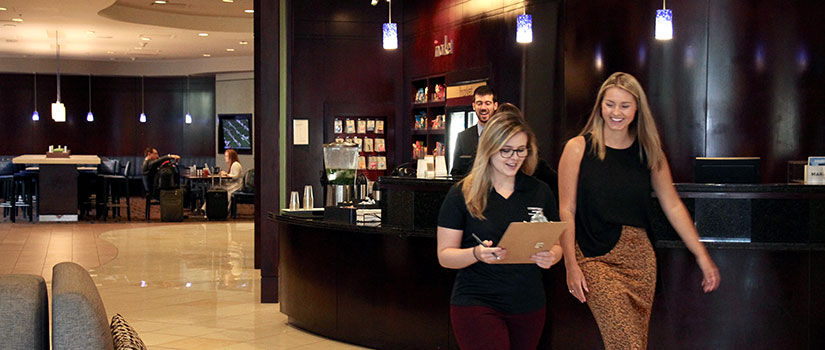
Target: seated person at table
(235,172)
(234,178)
(151,162)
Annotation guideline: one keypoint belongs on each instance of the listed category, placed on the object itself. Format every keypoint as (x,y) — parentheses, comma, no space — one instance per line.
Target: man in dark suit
(484,104)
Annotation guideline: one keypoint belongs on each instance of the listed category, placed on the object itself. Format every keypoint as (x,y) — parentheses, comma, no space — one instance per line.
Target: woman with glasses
(496,306)
(606,176)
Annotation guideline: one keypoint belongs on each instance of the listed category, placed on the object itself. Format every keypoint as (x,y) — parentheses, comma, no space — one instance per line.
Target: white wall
(235,93)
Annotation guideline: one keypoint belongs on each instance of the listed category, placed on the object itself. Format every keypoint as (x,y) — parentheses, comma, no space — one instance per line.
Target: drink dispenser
(341,165)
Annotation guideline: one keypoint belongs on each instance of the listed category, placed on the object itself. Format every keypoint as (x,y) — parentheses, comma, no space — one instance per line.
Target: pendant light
(664,23)
(524,28)
(142,114)
(89,116)
(390,31)
(58,109)
(188,117)
(35,115)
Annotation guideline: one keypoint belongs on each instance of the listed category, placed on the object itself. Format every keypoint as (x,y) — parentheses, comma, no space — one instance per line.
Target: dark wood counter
(382,287)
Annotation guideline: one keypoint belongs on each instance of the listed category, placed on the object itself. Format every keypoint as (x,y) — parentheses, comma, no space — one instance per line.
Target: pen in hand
(482,244)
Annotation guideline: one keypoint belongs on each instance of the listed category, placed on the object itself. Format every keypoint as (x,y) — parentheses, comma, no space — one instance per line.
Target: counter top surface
(42,159)
(414,181)
(319,222)
(773,188)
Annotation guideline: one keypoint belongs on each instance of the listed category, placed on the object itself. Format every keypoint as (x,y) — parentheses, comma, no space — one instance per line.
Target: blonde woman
(496,306)
(606,175)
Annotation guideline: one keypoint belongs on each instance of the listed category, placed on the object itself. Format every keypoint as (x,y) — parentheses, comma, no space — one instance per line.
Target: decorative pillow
(124,336)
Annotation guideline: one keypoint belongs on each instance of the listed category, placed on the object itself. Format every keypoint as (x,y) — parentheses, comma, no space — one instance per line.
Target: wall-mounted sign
(445,48)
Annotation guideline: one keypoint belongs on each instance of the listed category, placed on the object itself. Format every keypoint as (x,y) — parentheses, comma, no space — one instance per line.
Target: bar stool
(115,188)
(24,193)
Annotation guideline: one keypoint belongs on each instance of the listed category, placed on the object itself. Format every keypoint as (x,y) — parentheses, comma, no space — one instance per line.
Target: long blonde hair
(501,127)
(643,126)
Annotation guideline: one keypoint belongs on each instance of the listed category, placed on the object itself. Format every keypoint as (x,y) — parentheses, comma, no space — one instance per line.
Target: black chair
(7,187)
(245,195)
(151,195)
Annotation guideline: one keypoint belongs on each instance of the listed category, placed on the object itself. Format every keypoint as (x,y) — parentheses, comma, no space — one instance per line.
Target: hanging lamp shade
(89,116)
(58,109)
(35,115)
(188,117)
(524,29)
(58,112)
(142,117)
(390,36)
(664,24)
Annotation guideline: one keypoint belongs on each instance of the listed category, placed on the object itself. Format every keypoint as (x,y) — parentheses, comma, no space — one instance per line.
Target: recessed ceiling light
(110,52)
(3,9)
(249,11)
(17,19)
(145,38)
(207,55)
(230,50)
(160,2)
(243,42)
(203,34)
(228,0)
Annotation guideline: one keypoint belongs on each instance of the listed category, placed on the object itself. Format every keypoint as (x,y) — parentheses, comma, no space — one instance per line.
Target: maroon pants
(481,327)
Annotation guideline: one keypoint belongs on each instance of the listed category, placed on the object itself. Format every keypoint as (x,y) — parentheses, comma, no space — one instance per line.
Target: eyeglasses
(508,152)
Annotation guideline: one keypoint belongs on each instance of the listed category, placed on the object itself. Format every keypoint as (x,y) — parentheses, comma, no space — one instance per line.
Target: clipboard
(523,239)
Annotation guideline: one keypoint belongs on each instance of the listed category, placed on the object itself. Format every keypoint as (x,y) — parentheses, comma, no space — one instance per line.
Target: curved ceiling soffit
(119,12)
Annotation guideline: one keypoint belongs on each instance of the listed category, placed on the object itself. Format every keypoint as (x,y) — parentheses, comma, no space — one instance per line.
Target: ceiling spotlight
(374,2)
(160,2)
(228,0)
(3,9)
(207,55)
(145,38)
(203,34)
(17,19)
(243,42)
(230,50)
(249,11)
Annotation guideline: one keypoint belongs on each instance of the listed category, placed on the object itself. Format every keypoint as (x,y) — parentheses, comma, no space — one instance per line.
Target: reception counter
(382,287)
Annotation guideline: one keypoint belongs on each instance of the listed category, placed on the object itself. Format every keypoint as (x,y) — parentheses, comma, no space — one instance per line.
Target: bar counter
(57,184)
(382,287)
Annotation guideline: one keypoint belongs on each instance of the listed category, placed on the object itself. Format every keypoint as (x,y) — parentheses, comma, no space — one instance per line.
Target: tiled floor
(182,286)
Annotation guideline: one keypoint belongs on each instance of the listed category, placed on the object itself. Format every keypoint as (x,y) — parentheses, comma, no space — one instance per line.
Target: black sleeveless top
(611,193)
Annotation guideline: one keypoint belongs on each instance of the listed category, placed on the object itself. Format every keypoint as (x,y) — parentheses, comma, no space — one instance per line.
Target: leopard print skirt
(622,283)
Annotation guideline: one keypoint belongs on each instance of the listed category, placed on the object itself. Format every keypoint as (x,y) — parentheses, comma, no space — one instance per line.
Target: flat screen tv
(235,132)
(727,170)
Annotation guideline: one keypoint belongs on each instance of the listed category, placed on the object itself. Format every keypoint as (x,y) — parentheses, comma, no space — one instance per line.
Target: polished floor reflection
(182,286)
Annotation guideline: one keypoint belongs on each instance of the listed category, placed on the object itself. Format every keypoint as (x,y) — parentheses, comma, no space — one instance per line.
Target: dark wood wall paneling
(116,104)
(338,68)
(738,79)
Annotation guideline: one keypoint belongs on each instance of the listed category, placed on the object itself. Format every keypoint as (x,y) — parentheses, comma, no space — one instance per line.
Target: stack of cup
(294,201)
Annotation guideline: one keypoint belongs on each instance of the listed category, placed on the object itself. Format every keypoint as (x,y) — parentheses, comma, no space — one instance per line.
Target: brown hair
(508,107)
(476,186)
(233,156)
(148,151)
(643,126)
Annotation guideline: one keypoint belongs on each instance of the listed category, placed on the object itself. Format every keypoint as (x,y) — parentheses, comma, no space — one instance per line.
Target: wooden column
(267,152)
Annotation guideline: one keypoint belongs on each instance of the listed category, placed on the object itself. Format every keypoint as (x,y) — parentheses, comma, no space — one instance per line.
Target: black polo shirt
(510,288)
